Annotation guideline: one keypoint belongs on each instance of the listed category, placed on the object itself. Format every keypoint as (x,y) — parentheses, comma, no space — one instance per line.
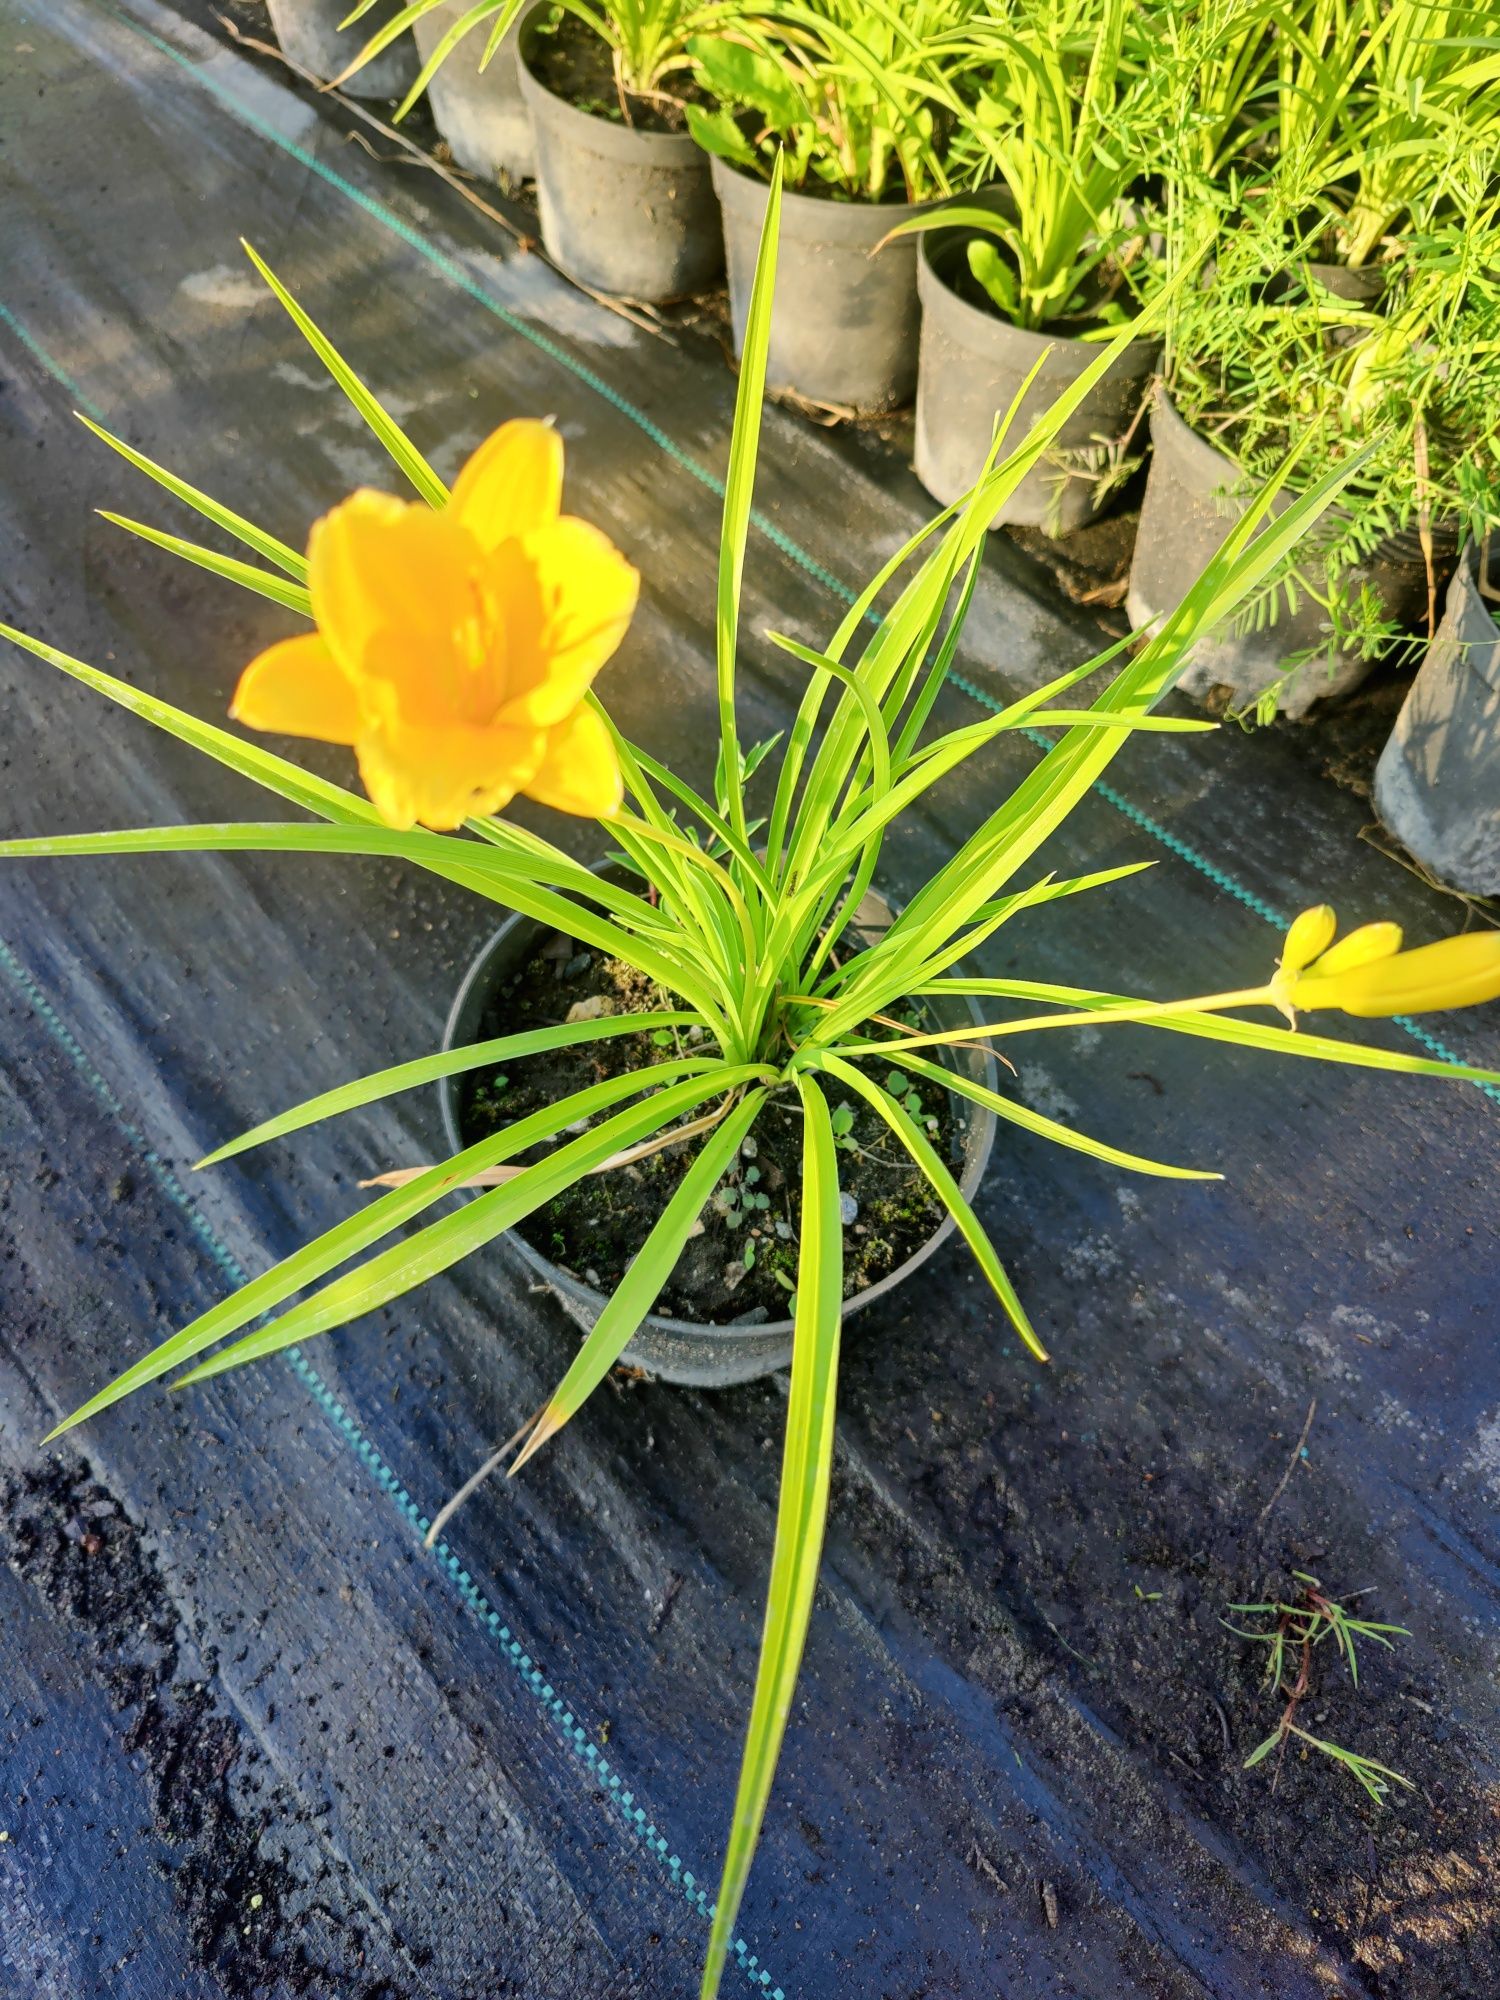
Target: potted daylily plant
(849,96)
(451,641)
(1021,284)
(627,206)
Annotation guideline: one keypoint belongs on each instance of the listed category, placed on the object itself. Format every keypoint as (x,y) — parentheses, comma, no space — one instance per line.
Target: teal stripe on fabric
(576,1738)
(54,368)
(776,536)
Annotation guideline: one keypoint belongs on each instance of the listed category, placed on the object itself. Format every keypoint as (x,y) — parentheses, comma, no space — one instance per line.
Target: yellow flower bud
(1456,972)
(1310,934)
(1370,941)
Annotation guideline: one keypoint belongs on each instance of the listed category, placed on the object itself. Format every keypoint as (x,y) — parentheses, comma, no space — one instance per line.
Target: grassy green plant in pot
(1375,99)
(1047,264)
(627,204)
(850,97)
(452,640)
(1267,355)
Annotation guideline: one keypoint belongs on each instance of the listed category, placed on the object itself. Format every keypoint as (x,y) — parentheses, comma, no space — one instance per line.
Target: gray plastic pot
(843,321)
(481,113)
(1437,785)
(1194,495)
(696,1354)
(623,211)
(973,365)
(308,31)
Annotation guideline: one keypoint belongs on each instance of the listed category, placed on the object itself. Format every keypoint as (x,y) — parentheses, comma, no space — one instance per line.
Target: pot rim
(809,217)
(980,329)
(603,137)
(987,1125)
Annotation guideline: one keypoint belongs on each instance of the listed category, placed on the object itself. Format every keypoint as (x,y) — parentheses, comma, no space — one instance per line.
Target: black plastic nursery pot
(1194,495)
(1437,785)
(701,1354)
(480,112)
(973,363)
(844,318)
(624,210)
(308,31)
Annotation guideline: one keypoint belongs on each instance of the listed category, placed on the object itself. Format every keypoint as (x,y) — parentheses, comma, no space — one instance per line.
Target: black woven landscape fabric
(255,1740)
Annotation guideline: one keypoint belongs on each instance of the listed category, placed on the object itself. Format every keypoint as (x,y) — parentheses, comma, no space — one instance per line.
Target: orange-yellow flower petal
(1456,972)
(298,689)
(568,597)
(511,485)
(580,772)
(394,595)
(438,776)
(1370,941)
(1311,933)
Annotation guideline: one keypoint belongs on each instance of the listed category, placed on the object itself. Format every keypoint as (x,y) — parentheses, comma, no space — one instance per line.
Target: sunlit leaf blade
(440,1245)
(801,1509)
(288,781)
(1016,1113)
(253,537)
(385,427)
(448,1062)
(947,1189)
(652,1266)
(502,878)
(1227,1028)
(348,1238)
(739,487)
(280,589)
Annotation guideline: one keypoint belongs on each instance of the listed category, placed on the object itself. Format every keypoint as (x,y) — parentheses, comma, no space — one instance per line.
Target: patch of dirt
(745,1260)
(69,1539)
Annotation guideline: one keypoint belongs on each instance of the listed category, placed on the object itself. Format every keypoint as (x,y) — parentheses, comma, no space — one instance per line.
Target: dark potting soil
(744,1261)
(569,59)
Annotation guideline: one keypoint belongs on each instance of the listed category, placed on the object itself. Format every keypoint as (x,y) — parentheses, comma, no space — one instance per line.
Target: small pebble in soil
(848,1210)
(783,1230)
(748,1149)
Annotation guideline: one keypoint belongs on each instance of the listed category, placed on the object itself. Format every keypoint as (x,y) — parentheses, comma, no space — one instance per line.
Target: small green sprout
(1300,1627)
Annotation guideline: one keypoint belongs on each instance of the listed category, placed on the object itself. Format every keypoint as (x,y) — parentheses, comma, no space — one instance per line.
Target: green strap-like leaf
(428,1069)
(279,589)
(639,1289)
(489,870)
(947,1189)
(1047,1128)
(348,1238)
(801,1509)
(264,544)
(439,1246)
(1224,1028)
(385,427)
(739,487)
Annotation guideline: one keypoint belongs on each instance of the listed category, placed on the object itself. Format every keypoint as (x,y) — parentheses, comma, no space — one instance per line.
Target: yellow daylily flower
(454,647)
(1369,975)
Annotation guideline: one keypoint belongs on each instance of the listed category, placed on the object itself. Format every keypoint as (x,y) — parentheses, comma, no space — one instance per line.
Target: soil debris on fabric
(256,1919)
(743,1260)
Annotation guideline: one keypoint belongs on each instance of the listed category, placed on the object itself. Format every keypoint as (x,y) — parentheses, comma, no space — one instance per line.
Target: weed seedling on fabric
(1292,1631)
